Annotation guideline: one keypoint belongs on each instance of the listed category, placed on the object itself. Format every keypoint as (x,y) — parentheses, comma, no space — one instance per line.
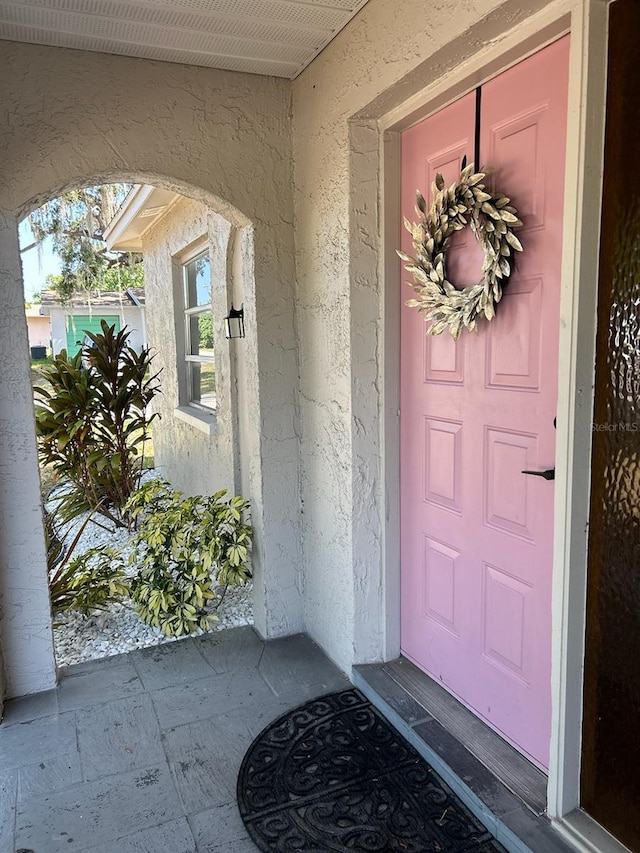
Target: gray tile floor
(139,753)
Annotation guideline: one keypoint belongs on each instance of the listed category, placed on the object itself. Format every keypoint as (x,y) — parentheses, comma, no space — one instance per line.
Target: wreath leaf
(513,241)
(492,219)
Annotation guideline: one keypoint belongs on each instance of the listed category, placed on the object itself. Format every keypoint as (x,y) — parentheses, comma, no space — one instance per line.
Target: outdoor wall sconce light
(234,323)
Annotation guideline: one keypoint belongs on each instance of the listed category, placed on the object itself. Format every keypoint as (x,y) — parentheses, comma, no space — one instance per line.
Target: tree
(205,331)
(120,277)
(76,222)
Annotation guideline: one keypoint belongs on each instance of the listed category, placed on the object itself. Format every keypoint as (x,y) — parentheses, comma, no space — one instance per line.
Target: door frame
(585,20)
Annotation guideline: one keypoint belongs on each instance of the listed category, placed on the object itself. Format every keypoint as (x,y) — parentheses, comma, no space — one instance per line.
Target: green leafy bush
(183,546)
(53,537)
(92,423)
(87,582)
(92,580)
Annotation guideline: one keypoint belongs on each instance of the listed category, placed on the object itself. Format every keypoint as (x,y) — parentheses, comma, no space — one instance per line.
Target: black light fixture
(234,323)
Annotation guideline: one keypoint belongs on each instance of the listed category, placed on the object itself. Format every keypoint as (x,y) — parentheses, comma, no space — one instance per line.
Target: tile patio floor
(139,753)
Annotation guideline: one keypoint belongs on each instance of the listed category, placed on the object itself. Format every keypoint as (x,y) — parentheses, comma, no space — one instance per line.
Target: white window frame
(192,412)
(189,312)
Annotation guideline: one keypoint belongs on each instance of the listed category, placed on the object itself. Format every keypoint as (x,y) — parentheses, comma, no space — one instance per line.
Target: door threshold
(518,774)
(501,787)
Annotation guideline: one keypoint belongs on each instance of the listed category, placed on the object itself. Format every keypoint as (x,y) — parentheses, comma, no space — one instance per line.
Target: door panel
(476,533)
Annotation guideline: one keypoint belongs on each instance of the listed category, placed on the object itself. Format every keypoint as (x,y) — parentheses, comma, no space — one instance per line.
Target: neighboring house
(39,327)
(84,313)
(392,478)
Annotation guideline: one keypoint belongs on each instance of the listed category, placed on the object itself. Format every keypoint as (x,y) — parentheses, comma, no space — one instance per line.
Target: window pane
(203,383)
(198,282)
(205,333)
(200,334)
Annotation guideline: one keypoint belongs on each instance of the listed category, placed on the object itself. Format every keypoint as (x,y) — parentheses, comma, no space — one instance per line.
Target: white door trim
(585,151)
(585,19)
(587,836)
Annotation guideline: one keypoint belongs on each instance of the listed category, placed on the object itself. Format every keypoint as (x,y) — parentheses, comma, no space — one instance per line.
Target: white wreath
(492,220)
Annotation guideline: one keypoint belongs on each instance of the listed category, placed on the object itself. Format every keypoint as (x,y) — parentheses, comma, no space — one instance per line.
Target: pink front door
(476,533)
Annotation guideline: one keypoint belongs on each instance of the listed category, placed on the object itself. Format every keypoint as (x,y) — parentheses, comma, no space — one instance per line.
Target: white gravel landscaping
(119,629)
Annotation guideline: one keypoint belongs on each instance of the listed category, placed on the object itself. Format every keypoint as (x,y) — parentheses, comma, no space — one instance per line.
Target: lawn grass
(148,448)
(36,364)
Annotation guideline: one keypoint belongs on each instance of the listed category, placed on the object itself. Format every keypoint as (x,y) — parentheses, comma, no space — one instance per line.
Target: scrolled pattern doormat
(333,775)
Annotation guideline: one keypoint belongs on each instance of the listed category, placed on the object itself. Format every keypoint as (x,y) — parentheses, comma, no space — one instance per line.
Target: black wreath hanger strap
(493,221)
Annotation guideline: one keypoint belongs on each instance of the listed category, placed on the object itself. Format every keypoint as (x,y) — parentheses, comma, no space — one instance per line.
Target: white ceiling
(278,37)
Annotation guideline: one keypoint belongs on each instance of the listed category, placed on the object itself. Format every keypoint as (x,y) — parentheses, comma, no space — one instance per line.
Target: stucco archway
(220,138)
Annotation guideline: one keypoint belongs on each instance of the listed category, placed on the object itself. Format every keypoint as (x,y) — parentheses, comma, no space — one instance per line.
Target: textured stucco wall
(388,52)
(25,627)
(191,460)
(223,138)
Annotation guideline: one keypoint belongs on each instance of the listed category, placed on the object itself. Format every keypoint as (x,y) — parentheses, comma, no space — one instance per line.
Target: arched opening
(239,429)
(199,427)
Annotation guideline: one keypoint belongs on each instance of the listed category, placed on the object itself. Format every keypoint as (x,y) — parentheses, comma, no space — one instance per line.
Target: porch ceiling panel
(275,37)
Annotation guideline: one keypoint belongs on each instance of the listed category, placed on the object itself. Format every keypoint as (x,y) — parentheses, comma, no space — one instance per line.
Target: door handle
(550,474)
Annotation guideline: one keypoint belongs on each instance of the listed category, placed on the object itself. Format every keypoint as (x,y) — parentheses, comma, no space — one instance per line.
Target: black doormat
(334,775)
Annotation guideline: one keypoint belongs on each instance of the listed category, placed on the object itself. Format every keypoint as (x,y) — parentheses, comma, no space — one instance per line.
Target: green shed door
(79,324)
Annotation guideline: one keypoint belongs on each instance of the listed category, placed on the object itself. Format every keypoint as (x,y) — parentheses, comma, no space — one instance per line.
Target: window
(199,354)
